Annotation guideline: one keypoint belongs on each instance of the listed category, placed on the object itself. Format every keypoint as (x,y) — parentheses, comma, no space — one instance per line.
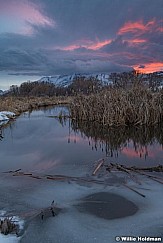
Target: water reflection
(40,142)
(1,136)
(9,125)
(133,142)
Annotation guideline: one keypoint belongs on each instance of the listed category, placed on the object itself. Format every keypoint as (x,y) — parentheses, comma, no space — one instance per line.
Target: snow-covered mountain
(1,92)
(66,80)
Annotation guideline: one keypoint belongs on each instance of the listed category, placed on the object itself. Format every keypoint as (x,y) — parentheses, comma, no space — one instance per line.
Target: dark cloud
(66,36)
(141,66)
(51,62)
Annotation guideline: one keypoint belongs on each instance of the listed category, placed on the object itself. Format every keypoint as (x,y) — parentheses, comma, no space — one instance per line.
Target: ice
(5,116)
(8,113)
(8,239)
(39,145)
(73,226)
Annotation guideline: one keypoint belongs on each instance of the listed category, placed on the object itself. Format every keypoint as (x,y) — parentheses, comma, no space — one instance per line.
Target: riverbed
(39,143)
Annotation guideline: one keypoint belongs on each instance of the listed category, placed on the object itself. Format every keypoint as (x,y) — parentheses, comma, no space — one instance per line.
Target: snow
(8,113)
(160,87)
(66,80)
(8,239)
(5,116)
(74,226)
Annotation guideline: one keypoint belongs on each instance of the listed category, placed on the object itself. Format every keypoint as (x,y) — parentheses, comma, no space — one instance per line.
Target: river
(41,144)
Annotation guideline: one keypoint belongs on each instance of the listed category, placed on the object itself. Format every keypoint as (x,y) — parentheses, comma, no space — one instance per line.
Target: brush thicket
(21,104)
(116,107)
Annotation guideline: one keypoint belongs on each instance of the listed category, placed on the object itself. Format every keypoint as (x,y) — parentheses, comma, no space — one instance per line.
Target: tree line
(36,88)
(89,85)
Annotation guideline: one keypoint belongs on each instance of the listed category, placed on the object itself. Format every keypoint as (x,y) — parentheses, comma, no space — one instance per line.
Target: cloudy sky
(48,37)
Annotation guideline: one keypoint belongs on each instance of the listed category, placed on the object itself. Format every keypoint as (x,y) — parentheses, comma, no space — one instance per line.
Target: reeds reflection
(114,140)
(1,135)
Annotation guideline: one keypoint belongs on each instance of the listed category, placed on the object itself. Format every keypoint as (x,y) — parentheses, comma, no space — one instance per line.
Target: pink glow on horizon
(150,67)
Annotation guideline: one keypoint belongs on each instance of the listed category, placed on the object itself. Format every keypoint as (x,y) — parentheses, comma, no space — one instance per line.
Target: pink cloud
(99,44)
(22,15)
(70,47)
(136,41)
(136,27)
(88,44)
(137,30)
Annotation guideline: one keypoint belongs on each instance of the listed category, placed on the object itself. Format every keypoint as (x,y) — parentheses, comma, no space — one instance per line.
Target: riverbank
(22,104)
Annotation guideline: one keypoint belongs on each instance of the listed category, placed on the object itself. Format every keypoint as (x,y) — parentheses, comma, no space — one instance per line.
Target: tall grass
(118,107)
(21,104)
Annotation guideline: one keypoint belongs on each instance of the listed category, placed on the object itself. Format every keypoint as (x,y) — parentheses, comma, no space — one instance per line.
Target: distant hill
(1,92)
(66,80)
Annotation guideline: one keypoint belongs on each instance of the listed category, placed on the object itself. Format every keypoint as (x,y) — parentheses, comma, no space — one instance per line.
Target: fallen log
(158,168)
(12,171)
(101,162)
(35,177)
(154,178)
(55,178)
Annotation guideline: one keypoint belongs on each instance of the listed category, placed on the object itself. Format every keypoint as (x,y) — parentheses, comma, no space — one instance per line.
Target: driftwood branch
(142,195)
(154,178)
(101,162)
(122,168)
(130,188)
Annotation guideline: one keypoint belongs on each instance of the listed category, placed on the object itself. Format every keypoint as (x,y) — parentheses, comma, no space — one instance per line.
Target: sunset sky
(48,37)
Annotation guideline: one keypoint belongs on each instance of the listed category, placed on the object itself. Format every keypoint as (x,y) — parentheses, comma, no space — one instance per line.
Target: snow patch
(66,80)
(5,116)
(8,239)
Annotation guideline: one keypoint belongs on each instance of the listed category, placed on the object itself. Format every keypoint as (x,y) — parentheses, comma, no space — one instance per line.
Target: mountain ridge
(66,80)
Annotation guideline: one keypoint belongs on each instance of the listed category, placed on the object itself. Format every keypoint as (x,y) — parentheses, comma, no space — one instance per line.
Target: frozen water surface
(40,144)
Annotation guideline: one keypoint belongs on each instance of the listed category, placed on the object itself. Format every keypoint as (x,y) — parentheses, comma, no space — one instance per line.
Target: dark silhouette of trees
(79,85)
(86,86)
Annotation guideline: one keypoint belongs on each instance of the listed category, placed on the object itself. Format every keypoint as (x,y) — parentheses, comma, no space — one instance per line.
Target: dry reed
(22,104)
(119,107)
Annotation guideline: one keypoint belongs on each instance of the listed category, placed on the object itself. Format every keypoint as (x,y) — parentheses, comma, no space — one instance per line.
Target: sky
(48,37)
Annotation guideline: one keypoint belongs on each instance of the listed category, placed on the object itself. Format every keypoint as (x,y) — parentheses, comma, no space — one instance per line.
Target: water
(41,144)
